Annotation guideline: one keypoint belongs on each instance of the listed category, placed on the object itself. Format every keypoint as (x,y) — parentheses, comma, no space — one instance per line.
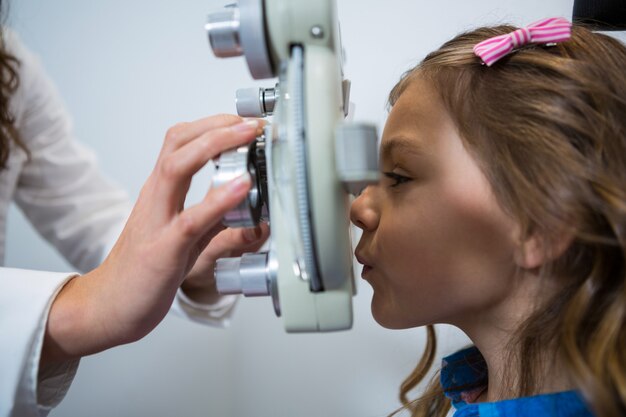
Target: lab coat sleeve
(218,314)
(25,301)
(63,193)
(60,189)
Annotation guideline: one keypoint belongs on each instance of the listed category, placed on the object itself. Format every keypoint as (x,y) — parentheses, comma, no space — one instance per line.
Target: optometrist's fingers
(181,133)
(220,242)
(209,236)
(177,168)
(193,223)
(235,241)
(190,158)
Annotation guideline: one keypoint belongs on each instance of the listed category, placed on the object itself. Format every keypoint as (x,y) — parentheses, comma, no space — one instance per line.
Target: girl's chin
(388,320)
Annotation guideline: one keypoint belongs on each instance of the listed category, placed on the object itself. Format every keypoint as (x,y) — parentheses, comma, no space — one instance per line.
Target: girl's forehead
(418,101)
(418,110)
(408,146)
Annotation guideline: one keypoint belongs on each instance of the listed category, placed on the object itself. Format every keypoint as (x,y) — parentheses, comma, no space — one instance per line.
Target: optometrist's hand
(199,285)
(129,294)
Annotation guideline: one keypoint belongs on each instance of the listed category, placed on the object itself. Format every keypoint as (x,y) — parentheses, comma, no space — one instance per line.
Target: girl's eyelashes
(399,179)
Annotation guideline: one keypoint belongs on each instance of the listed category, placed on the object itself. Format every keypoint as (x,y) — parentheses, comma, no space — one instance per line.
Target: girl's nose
(363,212)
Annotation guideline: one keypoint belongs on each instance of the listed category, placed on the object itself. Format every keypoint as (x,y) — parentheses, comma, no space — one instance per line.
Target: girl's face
(436,246)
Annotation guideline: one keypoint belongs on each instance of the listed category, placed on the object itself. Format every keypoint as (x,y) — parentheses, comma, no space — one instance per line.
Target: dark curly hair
(9,81)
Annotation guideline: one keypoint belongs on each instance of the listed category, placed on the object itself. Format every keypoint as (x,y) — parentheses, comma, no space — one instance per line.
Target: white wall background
(130,69)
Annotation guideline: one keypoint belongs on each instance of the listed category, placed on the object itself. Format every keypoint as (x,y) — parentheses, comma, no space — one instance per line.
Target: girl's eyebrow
(402,145)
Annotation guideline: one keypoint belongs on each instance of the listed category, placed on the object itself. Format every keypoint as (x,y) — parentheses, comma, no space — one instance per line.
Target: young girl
(502,211)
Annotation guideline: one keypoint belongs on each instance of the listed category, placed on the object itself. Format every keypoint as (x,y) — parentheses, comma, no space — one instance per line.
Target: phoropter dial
(235,163)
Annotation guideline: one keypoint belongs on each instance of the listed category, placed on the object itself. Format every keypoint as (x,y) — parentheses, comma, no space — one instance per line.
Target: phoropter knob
(256,102)
(235,163)
(223,30)
(248,275)
(239,29)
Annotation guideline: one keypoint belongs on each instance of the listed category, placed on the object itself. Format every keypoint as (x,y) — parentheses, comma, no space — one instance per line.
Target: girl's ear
(538,250)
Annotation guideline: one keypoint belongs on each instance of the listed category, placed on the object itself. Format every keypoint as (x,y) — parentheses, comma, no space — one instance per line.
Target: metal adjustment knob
(356,154)
(256,102)
(223,30)
(248,275)
(239,29)
(235,163)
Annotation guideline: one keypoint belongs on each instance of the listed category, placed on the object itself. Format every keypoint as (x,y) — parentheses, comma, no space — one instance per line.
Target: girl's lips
(363,261)
(366,269)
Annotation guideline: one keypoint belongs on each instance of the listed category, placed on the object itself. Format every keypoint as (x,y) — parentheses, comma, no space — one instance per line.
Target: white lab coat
(70,203)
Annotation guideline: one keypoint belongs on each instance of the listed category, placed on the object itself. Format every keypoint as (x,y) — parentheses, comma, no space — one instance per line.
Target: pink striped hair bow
(550,30)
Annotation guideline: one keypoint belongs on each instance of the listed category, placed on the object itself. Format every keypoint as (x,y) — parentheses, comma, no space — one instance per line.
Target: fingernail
(261,122)
(252,233)
(240,183)
(246,126)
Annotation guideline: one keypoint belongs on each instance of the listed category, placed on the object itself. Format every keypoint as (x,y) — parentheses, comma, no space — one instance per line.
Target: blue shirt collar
(464,376)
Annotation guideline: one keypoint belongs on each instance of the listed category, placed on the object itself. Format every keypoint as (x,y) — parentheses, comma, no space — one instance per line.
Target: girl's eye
(399,179)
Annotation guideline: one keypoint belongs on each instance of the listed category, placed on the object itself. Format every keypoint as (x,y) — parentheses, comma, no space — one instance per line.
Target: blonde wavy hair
(547,125)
